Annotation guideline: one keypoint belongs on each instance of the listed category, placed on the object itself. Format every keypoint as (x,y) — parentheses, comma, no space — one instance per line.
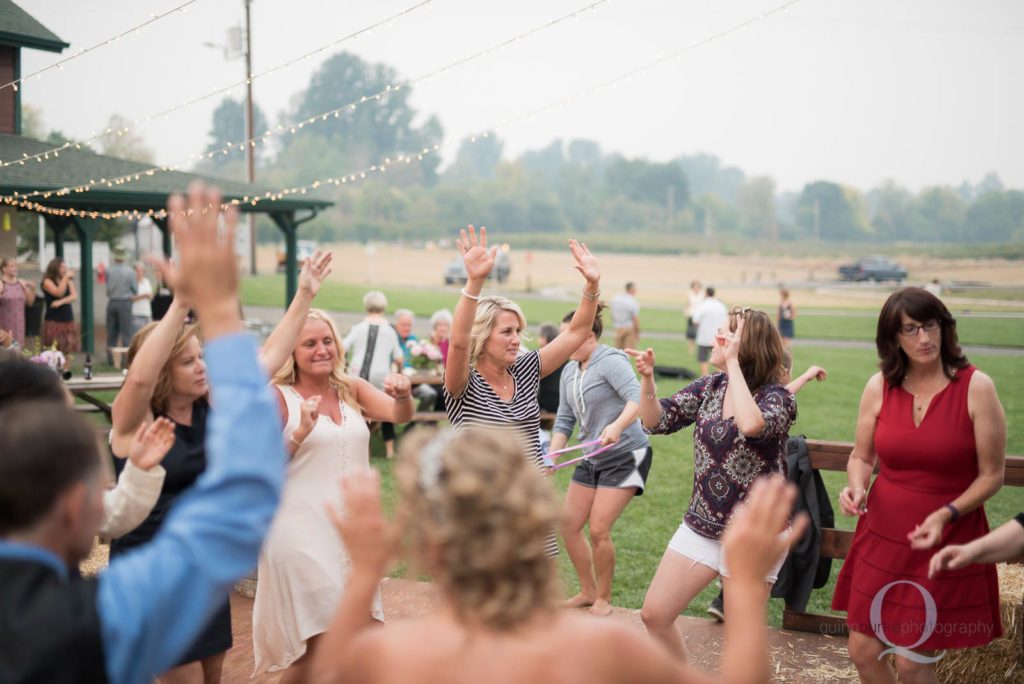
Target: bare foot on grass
(580,600)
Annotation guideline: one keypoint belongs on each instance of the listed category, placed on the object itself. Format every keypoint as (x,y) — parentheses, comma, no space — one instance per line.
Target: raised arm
(861,463)
(131,406)
(650,407)
(281,342)
(558,351)
(153,602)
(1004,544)
(478,261)
(393,405)
(813,373)
(749,419)
(990,443)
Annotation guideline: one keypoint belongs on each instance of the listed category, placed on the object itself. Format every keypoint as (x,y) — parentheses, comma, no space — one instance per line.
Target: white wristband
(475,298)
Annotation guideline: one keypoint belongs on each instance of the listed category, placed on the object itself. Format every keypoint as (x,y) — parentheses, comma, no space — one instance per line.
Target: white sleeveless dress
(304,565)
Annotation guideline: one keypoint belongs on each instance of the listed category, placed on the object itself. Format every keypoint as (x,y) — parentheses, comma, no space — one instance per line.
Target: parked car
(874,268)
(455,271)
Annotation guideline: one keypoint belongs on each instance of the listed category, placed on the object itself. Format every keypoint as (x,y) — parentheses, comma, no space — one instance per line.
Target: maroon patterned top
(725,462)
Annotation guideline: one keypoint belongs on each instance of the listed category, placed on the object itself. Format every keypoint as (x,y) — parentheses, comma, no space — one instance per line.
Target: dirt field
(660,279)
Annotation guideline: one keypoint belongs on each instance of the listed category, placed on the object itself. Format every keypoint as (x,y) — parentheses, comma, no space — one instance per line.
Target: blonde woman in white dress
(304,566)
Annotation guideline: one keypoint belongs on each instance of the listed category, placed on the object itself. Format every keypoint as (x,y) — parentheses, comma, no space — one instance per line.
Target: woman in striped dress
(487,383)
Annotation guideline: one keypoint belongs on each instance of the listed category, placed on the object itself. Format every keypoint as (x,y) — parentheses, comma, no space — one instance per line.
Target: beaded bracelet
(592,297)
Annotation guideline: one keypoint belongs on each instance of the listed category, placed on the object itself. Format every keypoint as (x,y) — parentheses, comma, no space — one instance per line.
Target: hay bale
(1000,660)
(97,560)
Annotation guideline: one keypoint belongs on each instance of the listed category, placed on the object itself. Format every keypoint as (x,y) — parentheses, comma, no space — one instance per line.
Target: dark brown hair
(921,306)
(39,463)
(598,326)
(53,270)
(761,351)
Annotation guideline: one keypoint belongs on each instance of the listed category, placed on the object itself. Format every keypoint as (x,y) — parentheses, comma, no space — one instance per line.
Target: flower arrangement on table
(52,357)
(424,356)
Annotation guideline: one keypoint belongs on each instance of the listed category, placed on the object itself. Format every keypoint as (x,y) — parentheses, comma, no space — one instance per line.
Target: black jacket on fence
(803,569)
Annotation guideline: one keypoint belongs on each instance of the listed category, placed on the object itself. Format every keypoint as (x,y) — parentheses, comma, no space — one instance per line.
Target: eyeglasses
(740,310)
(911,329)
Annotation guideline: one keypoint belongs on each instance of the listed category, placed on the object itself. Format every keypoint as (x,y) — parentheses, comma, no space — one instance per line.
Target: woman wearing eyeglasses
(741,417)
(935,428)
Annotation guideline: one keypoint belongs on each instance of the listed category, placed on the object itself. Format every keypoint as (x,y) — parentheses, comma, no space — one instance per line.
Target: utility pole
(250,153)
(817,218)
(670,207)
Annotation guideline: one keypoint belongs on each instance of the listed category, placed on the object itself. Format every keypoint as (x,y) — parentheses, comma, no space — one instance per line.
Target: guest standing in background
(59,327)
(15,295)
(121,288)
(626,318)
(142,300)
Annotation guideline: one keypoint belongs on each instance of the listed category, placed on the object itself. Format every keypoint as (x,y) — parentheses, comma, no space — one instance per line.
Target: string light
(320,117)
(407,158)
(219,91)
(58,65)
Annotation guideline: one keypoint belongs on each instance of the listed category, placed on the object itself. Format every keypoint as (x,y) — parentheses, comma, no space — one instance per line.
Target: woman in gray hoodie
(600,392)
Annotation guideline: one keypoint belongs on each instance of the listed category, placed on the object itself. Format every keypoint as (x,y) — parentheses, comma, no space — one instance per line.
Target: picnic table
(85,390)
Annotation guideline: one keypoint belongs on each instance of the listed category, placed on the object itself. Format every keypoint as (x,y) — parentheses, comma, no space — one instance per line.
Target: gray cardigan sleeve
(565,420)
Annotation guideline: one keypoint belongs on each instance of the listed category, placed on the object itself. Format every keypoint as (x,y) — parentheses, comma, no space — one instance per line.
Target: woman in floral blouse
(742,417)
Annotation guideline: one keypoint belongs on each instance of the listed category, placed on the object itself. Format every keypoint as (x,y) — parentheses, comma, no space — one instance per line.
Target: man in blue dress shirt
(137,618)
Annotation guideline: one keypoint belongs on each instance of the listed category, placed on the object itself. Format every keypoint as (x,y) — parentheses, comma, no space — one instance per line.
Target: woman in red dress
(935,427)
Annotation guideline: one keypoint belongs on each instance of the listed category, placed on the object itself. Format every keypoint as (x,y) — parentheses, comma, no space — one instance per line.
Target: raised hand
(730,341)
(586,263)
(151,443)
(207,274)
(644,361)
(314,272)
(371,539)
(756,536)
(309,413)
(397,386)
(853,501)
(817,373)
(475,255)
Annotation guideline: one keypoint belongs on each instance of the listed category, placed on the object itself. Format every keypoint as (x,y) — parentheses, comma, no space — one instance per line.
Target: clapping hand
(370,539)
(644,361)
(314,272)
(151,443)
(756,536)
(475,255)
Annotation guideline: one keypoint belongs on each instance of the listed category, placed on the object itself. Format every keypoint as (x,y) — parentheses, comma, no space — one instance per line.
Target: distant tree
(476,160)
(547,161)
(705,173)
(371,131)
(996,216)
(756,206)
(584,152)
(228,126)
(644,181)
(892,212)
(32,122)
(714,216)
(128,145)
(832,212)
(941,214)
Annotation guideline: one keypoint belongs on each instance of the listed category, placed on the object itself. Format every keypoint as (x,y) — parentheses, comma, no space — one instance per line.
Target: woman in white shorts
(741,417)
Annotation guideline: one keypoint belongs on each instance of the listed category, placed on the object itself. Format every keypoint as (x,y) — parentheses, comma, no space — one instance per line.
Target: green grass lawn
(267,291)
(828,410)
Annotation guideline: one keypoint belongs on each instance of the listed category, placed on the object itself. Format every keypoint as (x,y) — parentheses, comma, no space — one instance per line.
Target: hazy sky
(921,91)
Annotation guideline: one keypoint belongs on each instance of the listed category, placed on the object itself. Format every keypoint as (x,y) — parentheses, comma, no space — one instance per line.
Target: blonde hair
(487,310)
(288,373)
(164,384)
(477,514)
(762,354)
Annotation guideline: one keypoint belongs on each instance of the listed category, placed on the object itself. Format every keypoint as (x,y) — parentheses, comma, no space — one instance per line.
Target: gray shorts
(618,470)
(703,353)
